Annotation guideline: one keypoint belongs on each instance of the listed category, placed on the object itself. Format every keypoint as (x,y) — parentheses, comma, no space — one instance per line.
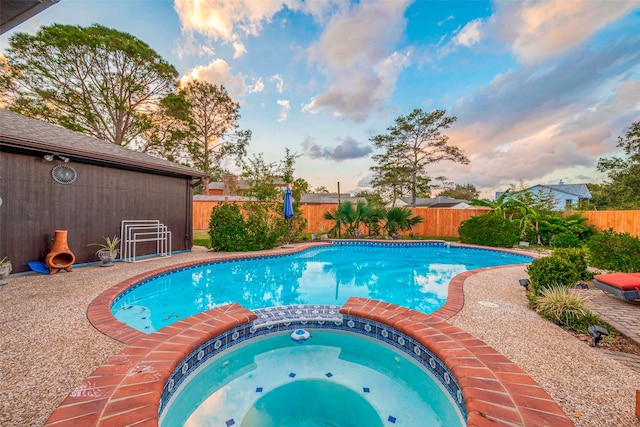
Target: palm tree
(400,219)
(375,214)
(500,206)
(349,217)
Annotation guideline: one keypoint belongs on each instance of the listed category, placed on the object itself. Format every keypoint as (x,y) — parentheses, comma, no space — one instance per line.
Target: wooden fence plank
(620,221)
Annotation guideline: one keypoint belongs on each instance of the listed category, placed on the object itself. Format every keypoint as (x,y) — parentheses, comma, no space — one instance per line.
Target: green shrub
(578,258)
(550,271)
(567,308)
(613,251)
(566,239)
(489,230)
(252,227)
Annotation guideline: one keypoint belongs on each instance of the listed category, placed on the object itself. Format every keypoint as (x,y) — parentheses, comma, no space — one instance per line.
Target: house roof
(25,133)
(243,184)
(320,198)
(15,12)
(435,202)
(580,190)
(220,198)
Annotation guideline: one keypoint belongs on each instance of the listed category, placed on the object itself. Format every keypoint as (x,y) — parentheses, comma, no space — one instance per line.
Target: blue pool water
(409,275)
(332,379)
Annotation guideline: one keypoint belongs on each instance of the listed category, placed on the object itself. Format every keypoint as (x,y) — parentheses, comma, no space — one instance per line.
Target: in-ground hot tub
(350,372)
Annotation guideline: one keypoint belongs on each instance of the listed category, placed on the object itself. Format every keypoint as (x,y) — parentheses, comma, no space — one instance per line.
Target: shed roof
(23,132)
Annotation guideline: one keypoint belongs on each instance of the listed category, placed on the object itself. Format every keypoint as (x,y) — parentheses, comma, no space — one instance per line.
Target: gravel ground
(592,389)
(48,346)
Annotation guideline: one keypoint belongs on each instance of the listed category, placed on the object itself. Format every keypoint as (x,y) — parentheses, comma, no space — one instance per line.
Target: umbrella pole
(287,238)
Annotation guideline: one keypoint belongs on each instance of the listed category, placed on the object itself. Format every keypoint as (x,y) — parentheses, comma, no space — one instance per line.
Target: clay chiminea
(60,257)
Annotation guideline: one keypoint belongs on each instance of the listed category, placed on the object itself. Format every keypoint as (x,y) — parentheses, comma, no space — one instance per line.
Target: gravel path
(48,346)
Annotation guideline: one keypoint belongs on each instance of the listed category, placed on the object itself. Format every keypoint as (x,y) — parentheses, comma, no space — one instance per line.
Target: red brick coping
(125,390)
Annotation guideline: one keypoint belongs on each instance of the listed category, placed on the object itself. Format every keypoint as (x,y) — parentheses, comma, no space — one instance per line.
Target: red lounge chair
(622,285)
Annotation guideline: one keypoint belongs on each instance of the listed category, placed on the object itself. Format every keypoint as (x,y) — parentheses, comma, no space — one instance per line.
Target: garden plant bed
(617,342)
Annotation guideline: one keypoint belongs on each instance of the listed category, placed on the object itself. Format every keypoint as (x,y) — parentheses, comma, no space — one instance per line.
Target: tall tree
(94,80)
(389,174)
(213,136)
(416,141)
(622,188)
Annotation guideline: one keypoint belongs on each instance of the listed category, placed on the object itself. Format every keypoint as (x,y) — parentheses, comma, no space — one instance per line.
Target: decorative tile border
(391,243)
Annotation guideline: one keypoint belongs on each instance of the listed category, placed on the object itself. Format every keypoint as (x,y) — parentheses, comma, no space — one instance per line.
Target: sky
(541,89)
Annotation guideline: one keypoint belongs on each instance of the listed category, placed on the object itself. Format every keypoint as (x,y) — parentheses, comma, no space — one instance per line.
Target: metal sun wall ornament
(63,174)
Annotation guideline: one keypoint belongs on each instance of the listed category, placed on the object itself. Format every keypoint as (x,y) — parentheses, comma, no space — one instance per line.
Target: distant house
(435,202)
(328,198)
(231,185)
(564,196)
(52,178)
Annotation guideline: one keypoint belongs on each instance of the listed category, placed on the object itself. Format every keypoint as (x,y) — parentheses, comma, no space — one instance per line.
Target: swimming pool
(414,275)
(333,379)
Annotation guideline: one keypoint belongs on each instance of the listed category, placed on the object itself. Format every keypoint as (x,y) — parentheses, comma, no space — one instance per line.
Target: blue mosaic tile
(329,374)
(390,244)
(392,419)
(366,389)
(258,389)
(230,422)
(292,375)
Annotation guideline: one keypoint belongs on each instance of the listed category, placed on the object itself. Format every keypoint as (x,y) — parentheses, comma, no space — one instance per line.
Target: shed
(52,178)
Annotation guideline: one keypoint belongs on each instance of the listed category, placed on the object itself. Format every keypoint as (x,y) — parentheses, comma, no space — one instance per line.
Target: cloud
(218,72)
(356,53)
(550,120)
(449,18)
(470,34)
(231,21)
(542,29)
(238,49)
(519,99)
(284,110)
(347,149)
(279,82)
(227,20)
(258,87)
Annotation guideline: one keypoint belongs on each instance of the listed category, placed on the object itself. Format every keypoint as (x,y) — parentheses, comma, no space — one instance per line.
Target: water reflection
(414,277)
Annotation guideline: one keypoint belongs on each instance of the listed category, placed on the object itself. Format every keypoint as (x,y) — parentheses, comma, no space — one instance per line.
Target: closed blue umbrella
(288,208)
(288,203)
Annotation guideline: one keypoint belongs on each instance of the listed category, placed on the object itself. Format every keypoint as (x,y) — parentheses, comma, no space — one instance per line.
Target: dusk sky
(541,89)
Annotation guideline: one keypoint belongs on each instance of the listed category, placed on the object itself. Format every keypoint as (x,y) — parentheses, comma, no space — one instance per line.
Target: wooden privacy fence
(438,222)
(620,221)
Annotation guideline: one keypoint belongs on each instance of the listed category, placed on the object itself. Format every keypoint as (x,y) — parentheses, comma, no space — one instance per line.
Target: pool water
(415,277)
(332,379)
